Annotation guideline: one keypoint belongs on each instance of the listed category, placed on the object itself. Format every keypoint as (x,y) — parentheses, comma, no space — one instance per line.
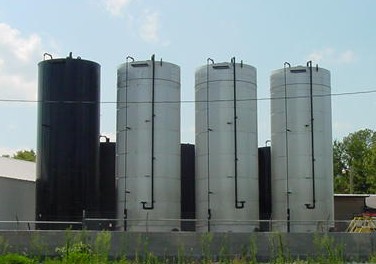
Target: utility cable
(187,101)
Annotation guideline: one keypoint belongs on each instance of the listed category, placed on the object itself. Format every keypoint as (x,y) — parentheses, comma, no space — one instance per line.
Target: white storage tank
(226,147)
(301,149)
(148,145)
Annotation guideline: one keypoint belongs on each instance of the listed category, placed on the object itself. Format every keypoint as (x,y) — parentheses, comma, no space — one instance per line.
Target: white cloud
(21,48)
(341,129)
(330,55)
(19,55)
(147,23)
(116,6)
(149,30)
(15,86)
(347,57)
(319,56)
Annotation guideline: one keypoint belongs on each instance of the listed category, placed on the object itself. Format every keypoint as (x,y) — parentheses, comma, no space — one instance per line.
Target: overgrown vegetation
(28,155)
(80,248)
(328,251)
(354,162)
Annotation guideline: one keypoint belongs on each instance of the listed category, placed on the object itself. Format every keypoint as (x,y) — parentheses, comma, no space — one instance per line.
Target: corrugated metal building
(17,193)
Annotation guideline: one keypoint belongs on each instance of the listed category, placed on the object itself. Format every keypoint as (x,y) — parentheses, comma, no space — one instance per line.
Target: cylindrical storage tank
(148,146)
(226,148)
(107,190)
(302,162)
(188,193)
(68,141)
(265,190)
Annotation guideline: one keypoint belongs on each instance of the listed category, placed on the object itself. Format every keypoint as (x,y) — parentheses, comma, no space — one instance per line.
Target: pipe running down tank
(148,145)
(226,147)
(301,133)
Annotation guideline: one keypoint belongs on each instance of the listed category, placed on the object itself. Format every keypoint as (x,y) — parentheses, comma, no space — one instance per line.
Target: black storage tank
(265,190)
(107,189)
(68,141)
(188,197)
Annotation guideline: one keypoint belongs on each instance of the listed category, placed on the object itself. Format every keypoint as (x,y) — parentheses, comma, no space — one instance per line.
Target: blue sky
(339,35)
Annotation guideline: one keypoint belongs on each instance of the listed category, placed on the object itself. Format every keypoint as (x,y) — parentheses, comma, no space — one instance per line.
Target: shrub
(75,253)
(15,259)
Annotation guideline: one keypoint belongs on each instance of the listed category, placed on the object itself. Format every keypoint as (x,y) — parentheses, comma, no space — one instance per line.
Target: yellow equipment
(362,224)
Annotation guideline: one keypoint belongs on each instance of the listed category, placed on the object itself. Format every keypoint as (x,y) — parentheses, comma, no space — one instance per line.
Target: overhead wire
(186,101)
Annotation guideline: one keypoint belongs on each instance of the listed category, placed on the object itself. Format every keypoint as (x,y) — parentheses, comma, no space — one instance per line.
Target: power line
(184,101)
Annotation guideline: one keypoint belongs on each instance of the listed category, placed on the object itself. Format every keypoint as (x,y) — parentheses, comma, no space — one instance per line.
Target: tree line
(28,155)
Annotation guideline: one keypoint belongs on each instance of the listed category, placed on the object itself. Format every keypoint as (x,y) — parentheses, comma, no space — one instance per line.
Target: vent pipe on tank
(129,58)
(47,54)
(238,204)
(313,204)
(105,137)
(145,205)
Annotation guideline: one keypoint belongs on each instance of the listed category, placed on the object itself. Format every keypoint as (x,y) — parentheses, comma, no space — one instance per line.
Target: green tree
(371,165)
(28,155)
(355,162)
(341,184)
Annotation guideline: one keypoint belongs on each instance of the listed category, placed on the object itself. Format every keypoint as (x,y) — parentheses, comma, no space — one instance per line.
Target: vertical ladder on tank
(145,205)
(287,149)
(208,138)
(127,128)
(312,205)
(238,204)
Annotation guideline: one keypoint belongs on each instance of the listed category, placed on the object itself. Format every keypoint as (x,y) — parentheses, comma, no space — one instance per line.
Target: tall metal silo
(265,190)
(107,190)
(302,162)
(226,147)
(188,193)
(68,140)
(148,145)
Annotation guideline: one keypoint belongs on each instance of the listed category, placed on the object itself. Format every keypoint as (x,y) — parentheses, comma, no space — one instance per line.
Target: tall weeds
(327,250)
(79,247)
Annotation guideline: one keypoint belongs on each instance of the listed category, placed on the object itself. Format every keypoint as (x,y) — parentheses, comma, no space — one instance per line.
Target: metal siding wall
(17,203)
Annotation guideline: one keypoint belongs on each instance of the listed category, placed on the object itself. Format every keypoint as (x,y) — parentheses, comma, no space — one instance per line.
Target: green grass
(78,248)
